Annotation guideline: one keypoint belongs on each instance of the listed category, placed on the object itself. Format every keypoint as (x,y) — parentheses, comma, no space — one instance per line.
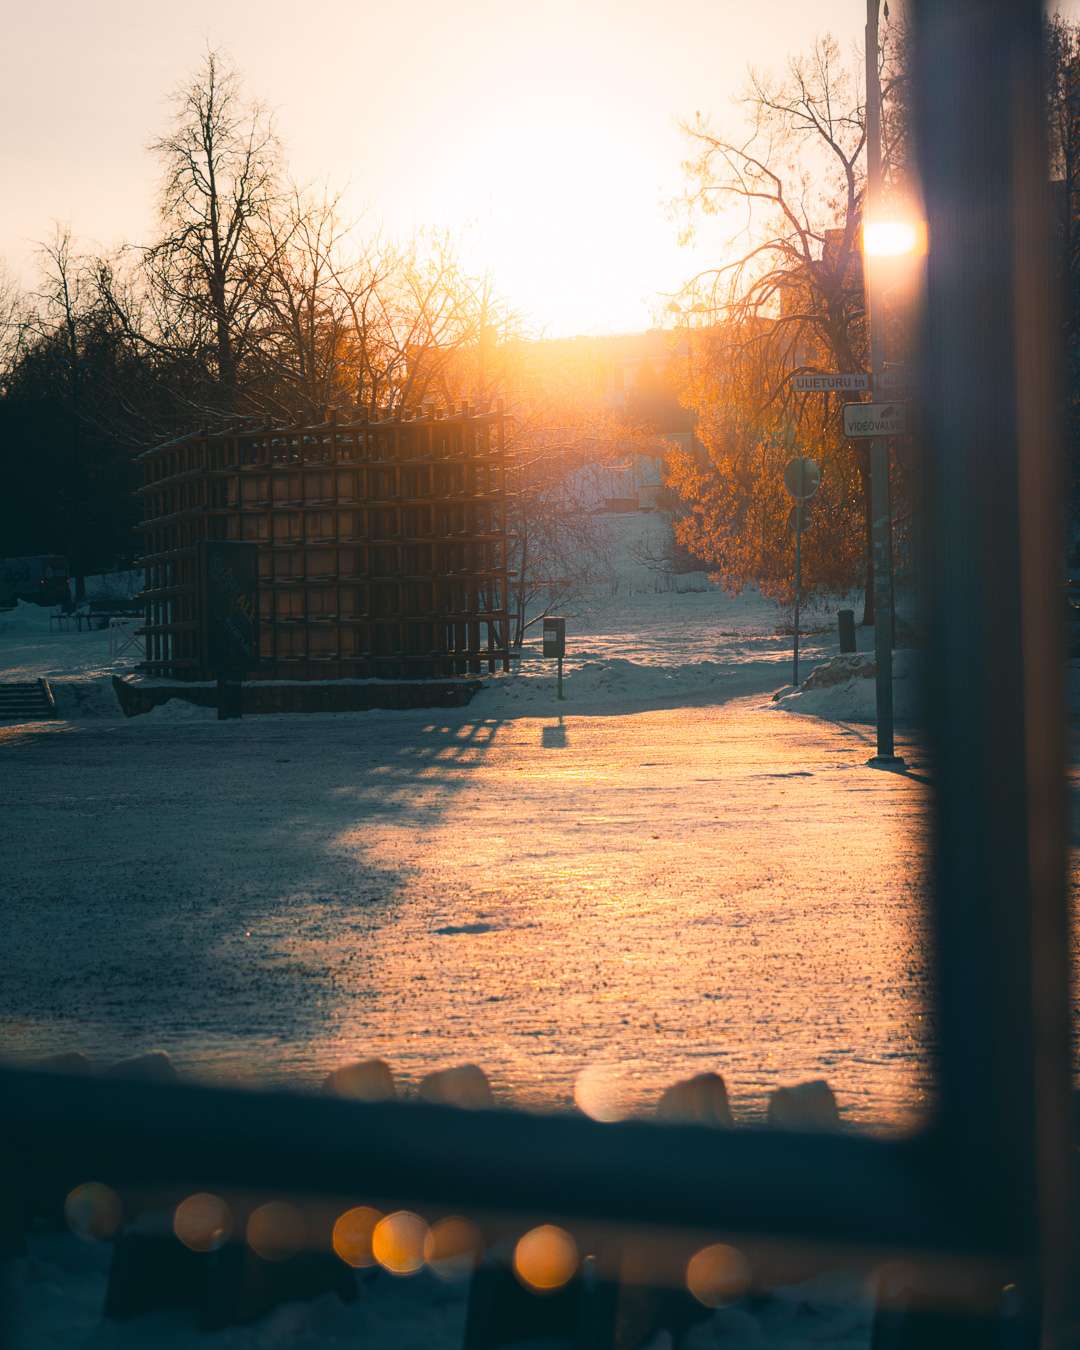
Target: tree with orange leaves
(792,300)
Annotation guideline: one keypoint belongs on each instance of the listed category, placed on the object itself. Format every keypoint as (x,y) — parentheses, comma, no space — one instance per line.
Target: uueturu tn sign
(812,382)
(874,419)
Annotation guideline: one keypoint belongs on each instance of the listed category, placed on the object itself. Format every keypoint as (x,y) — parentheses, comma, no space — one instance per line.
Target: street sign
(814,382)
(229,606)
(811,477)
(554,636)
(555,642)
(874,419)
(803,520)
(888,380)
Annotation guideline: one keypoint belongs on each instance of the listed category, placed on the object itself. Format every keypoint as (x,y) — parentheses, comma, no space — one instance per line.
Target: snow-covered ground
(285,884)
(845,688)
(644,640)
(663,874)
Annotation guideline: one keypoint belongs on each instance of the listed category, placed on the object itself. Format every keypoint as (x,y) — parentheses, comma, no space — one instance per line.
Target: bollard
(846,619)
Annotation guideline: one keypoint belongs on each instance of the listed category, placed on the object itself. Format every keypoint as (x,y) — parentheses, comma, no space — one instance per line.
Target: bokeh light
(718,1275)
(545,1258)
(276,1231)
(203,1222)
(453,1248)
(894,238)
(93,1210)
(398,1242)
(601,1091)
(352,1236)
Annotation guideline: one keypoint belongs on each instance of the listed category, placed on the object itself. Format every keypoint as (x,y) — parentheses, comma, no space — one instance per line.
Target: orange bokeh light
(352,1236)
(718,1275)
(203,1222)
(276,1230)
(398,1242)
(545,1258)
(453,1248)
(93,1210)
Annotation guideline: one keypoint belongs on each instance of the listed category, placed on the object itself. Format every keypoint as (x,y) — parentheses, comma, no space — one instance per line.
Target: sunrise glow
(572,230)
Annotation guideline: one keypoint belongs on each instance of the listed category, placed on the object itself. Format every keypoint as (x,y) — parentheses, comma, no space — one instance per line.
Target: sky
(544,136)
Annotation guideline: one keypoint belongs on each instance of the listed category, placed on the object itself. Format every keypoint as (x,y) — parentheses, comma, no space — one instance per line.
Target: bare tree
(13,317)
(441,322)
(314,278)
(790,299)
(564,456)
(559,545)
(58,321)
(220,180)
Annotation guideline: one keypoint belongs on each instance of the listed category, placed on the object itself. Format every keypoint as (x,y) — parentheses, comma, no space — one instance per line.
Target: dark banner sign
(229,606)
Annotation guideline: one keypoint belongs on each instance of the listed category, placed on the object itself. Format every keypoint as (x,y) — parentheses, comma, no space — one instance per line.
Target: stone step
(26,701)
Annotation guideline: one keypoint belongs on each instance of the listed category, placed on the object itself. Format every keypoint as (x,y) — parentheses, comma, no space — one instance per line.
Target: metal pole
(879,446)
(993,468)
(798,567)
(892,581)
(560,677)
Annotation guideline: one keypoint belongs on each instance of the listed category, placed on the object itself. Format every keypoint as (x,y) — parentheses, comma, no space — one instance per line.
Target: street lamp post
(879,446)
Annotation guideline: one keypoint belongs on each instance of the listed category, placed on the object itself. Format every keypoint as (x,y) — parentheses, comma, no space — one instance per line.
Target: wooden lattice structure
(381,545)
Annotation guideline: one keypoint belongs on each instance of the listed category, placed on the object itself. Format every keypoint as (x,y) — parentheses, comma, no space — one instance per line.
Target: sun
(572,232)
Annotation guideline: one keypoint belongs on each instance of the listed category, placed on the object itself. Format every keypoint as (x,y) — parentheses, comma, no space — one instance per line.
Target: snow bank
(845,689)
(179,710)
(594,684)
(78,700)
(24,618)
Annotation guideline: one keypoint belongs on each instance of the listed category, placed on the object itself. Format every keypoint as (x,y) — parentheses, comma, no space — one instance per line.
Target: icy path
(663,892)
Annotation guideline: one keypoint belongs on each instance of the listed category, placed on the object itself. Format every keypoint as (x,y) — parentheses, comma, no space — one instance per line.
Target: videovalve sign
(875,419)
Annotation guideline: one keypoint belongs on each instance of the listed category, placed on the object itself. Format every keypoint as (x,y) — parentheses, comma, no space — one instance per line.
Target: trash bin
(846,618)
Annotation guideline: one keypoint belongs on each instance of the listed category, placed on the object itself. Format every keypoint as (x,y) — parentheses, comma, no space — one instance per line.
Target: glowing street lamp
(894,238)
(882,238)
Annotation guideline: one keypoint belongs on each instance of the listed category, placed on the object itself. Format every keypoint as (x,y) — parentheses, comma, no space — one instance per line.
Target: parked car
(41,579)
